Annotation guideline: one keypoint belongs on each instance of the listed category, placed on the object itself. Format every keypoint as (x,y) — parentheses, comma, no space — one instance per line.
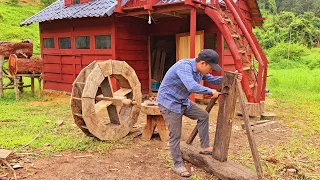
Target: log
(22,49)
(24,66)
(222,170)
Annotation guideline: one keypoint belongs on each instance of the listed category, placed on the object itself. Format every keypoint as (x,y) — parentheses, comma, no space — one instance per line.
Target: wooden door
(183,44)
(183,51)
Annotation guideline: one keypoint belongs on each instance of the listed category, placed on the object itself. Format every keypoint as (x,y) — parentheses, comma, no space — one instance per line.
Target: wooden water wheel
(96,109)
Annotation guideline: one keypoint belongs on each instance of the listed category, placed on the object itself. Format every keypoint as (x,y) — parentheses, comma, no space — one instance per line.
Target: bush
(283,51)
(286,64)
(312,60)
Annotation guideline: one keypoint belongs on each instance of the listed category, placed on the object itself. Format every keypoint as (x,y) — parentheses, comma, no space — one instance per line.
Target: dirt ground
(141,159)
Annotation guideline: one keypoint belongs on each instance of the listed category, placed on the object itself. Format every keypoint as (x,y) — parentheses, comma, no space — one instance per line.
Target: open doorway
(166,50)
(162,57)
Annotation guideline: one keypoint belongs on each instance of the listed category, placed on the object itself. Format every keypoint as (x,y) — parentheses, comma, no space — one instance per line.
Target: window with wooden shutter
(103,42)
(76,1)
(83,42)
(64,43)
(48,42)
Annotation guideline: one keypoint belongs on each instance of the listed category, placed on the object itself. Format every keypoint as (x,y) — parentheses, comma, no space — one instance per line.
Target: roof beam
(157,9)
(175,14)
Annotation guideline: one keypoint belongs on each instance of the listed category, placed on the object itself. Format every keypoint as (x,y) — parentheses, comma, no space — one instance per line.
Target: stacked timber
(22,49)
(24,66)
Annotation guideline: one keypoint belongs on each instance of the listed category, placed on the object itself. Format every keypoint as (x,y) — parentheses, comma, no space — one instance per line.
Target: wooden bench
(154,119)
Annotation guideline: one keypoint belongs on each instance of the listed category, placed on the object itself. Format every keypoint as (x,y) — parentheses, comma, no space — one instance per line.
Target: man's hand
(215,93)
(239,77)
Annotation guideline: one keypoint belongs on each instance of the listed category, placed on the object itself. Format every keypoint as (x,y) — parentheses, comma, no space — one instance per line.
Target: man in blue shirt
(180,81)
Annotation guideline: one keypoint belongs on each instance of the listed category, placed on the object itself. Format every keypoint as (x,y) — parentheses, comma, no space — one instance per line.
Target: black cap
(211,57)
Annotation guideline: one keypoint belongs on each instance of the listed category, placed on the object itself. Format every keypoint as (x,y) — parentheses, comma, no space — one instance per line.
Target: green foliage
(312,60)
(287,36)
(287,27)
(287,51)
(10,19)
(299,7)
(13,2)
(47,2)
(269,5)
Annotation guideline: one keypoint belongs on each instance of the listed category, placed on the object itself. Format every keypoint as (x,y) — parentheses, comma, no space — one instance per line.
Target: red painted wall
(132,47)
(61,66)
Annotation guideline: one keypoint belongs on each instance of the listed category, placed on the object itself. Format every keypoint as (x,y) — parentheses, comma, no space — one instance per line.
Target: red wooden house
(76,32)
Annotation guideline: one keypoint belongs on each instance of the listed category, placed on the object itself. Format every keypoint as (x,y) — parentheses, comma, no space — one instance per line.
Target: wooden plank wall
(61,66)
(132,47)
(169,26)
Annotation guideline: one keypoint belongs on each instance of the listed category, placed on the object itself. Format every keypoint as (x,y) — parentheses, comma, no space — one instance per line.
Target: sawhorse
(18,83)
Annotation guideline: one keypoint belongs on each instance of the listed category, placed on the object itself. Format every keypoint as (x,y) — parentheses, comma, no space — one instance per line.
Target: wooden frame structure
(218,163)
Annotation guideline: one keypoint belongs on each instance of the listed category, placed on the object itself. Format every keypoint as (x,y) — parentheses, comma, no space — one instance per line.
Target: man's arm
(216,80)
(185,75)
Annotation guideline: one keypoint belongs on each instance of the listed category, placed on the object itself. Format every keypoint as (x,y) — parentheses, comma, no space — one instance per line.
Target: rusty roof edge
(256,6)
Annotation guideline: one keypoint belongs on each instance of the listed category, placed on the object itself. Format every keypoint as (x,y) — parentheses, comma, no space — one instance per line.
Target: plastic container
(155,86)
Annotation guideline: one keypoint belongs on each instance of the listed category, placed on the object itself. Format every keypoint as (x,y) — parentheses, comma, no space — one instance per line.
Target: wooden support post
(16,89)
(193,31)
(227,107)
(32,85)
(20,83)
(1,72)
(252,142)
(40,84)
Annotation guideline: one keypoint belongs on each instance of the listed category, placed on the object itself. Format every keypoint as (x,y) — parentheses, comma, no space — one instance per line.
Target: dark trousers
(174,123)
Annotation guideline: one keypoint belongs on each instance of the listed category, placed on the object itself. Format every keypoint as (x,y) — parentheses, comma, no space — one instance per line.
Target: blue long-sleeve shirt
(180,81)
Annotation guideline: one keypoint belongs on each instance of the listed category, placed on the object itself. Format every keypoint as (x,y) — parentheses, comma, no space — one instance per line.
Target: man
(180,81)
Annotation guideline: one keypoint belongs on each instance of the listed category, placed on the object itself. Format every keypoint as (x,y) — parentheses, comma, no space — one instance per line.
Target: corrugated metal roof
(57,10)
(94,8)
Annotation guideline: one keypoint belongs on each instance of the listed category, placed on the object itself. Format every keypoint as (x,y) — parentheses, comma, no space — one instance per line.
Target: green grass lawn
(22,121)
(10,18)
(299,91)
(296,93)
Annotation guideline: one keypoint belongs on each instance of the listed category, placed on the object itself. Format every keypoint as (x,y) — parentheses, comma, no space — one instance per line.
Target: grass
(298,90)
(296,93)
(10,18)
(22,121)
